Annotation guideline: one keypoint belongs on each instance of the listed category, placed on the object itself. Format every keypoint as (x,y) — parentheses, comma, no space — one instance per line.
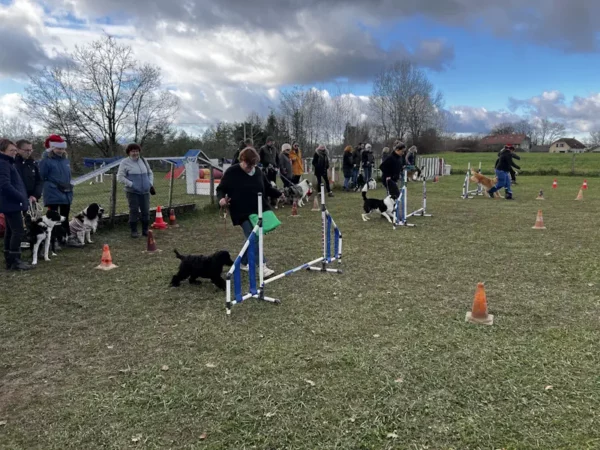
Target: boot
(17,263)
(134,231)
(145,224)
(508,196)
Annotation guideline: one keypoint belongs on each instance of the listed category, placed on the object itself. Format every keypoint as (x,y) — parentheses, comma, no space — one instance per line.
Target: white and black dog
(84,224)
(41,230)
(385,207)
(299,192)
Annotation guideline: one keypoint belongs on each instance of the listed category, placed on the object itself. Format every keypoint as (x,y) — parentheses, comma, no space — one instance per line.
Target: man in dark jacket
(28,169)
(356,159)
(513,174)
(504,163)
(269,159)
(393,165)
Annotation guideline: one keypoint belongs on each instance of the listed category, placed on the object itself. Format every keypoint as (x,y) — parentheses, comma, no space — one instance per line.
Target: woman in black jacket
(321,163)
(393,165)
(13,202)
(239,189)
(347,166)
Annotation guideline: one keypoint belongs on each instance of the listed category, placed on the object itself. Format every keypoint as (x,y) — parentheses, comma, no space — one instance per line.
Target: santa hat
(55,141)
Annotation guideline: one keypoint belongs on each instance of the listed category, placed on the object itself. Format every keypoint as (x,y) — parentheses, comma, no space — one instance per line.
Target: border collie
(298,192)
(40,230)
(385,207)
(84,224)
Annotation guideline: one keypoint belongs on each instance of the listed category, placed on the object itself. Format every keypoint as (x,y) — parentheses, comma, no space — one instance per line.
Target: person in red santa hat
(55,171)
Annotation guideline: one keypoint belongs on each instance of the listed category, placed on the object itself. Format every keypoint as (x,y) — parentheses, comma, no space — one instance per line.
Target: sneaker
(331,194)
(267,272)
(244,267)
(490,194)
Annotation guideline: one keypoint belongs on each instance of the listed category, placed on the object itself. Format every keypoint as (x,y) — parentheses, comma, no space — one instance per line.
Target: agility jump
(257,290)
(402,215)
(466,193)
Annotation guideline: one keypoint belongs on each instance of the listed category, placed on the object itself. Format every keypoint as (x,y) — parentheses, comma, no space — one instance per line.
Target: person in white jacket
(135,173)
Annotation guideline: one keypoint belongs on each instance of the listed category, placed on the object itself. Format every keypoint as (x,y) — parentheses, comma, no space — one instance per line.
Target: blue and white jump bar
(254,291)
(401,215)
(466,193)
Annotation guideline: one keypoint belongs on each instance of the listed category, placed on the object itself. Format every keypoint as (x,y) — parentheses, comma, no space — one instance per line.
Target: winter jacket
(356,157)
(297,165)
(13,196)
(367,158)
(410,159)
(136,175)
(269,156)
(392,167)
(243,190)
(320,162)
(285,166)
(30,174)
(56,174)
(347,164)
(505,161)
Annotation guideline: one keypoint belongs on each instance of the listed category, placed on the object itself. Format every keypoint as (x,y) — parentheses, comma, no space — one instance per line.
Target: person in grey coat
(135,173)
(285,165)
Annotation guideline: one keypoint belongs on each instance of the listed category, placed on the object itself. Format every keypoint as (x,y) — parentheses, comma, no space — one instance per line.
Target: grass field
(587,164)
(379,357)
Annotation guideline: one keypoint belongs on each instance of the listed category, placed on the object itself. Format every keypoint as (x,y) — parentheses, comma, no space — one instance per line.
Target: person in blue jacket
(55,171)
(13,202)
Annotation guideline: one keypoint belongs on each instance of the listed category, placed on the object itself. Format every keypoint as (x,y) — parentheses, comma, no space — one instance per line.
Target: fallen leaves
(311,382)
(376,336)
(136,438)
(392,436)
(164,368)
(270,414)
(548,388)
(211,365)
(399,380)
(3,422)
(203,436)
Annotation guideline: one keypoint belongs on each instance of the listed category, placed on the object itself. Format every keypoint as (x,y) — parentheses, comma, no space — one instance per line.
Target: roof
(503,139)
(571,142)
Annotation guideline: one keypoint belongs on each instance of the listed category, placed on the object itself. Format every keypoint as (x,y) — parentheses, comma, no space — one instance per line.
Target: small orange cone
(315,204)
(584,186)
(159,223)
(540,196)
(580,195)
(173,219)
(436,179)
(554,184)
(106,261)
(539,222)
(151,246)
(295,209)
(479,312)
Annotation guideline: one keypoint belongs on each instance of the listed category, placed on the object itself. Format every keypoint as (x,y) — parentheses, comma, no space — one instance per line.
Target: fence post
(171,185)
(573,164)
(113,200)
(212,185)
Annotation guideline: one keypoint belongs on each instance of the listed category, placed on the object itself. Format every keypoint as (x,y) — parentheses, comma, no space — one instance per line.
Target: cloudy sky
(492,59)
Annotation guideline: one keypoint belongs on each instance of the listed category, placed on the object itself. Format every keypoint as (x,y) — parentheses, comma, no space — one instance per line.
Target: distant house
(540,149)
(519,141)
(594,149)
(567,145)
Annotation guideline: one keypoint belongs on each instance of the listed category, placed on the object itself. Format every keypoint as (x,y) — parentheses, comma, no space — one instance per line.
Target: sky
(493,60)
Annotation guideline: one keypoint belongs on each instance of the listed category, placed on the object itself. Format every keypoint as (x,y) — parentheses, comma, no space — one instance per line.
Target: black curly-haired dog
(200,266)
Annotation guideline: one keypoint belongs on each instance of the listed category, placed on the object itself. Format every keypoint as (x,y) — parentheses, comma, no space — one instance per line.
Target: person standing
(55,172)
(135,173)
(285,165)
(347,167)
(13,202)
(269,159)
(392,167)
(238,190)
(320,163)
(367,161)
(356,158)
(29,170)
(297,165)
(503,166)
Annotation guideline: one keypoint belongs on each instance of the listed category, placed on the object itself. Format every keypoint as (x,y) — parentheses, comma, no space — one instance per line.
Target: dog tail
(177,254)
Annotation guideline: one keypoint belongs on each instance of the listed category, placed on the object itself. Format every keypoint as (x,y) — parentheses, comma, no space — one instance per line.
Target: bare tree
(594,139)
(14,128)
(548,131)
(524,127)
(152,110)
(503,128)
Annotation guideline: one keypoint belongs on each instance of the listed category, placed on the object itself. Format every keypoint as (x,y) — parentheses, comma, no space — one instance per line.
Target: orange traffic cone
(540,196)
(159,223)
(173,219)
(584,186)
(436,179)
(539,222)
(106,261)
(151,246)
(295,209)
(554,184)
(315,204)
(580,195)
(479,312)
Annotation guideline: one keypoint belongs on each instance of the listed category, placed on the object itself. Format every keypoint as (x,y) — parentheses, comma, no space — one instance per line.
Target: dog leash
(35,210)
(223,214)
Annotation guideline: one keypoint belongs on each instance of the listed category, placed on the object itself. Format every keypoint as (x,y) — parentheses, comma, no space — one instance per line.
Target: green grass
(587,164)
(393,363)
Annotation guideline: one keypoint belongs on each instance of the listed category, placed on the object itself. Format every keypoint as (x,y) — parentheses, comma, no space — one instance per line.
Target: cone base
(297,215)
(152,252)
(159,226)
(538,228)
(489,320)
(109,267)
(540,198)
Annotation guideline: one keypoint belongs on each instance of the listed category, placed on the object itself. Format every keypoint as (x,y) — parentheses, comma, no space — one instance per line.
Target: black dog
(199,266)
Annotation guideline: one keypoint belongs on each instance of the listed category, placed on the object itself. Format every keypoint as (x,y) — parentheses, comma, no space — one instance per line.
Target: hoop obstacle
(401,215)
(258,290)
(466,193)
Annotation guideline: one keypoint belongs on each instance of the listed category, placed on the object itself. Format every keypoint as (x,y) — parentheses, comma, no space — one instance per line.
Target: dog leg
(219,282)
(88,237)
(35,250)
(195,280)
(366,217)
(47,245)
(387,216)
(175,281)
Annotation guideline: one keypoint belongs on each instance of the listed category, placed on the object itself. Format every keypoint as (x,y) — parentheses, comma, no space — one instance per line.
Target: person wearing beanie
(285,165)
(368,159)
(137,176)
(269,159)
(320,163)
(13,202)
(55,171)
(297,164)
(347,166)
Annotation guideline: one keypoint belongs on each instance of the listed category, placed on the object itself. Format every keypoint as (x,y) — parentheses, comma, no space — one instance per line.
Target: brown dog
(486,182)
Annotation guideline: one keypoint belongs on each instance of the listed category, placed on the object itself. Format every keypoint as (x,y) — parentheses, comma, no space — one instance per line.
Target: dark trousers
(286,181)
(64,211)
(322,177)
(296,179)
(139,207)
(15,230)
(272,175)
(513,175)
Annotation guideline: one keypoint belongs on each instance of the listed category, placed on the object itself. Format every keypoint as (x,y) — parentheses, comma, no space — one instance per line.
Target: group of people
(25,181)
